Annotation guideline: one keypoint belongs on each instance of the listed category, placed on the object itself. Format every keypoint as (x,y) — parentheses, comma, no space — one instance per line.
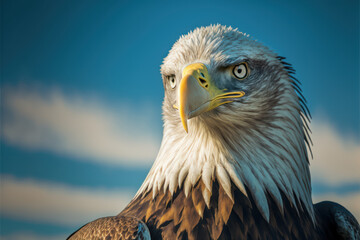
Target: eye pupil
(241,71)
(172,81)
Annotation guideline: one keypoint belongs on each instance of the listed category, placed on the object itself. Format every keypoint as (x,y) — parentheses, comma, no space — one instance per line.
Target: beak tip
(183,117)
(185,126)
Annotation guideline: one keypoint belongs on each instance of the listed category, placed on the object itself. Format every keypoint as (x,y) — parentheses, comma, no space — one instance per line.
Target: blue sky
(81,98)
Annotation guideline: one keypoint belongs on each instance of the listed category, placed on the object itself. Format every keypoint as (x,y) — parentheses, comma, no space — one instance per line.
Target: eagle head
(232,113)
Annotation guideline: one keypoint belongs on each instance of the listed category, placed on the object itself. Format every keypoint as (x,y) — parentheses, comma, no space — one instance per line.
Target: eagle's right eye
(172,81)
(241,71)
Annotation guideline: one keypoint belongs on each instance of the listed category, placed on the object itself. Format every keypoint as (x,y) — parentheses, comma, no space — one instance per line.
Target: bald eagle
(233,162)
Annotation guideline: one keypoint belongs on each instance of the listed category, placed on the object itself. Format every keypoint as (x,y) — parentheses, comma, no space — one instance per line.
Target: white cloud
(32,236)
(48,202)
(336,162)
(350,201)
(336,158)
(125,135)
(80,127)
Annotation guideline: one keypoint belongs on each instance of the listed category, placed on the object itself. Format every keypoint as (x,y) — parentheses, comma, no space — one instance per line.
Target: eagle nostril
(202,81)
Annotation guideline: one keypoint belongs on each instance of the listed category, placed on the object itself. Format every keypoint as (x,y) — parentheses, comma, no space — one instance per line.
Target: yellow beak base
(198,94)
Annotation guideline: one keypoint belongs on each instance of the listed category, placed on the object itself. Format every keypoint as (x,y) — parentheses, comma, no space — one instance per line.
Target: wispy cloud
(336,162)
(48,202)
(336,157)
(79,126)
(32,236)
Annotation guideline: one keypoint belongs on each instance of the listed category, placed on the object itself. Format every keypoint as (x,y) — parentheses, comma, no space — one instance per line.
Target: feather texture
(189,217)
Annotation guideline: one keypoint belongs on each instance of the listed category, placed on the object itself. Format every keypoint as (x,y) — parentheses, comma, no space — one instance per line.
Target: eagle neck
(232,156)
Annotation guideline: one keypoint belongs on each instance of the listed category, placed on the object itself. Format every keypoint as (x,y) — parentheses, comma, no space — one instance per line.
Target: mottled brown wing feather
(111,228)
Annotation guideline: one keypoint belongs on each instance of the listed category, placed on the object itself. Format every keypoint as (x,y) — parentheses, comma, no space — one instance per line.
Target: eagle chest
(190,217)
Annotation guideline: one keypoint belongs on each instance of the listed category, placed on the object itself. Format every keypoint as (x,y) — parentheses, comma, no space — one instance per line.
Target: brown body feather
(188,217)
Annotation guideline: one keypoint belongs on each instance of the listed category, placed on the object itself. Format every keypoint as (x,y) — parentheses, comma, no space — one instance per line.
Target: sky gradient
(81,97)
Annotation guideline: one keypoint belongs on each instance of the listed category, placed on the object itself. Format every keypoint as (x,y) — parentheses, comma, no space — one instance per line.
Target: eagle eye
(241,71)
(172,81)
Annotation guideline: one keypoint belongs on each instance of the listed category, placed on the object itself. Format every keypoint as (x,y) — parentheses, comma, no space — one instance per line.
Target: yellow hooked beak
(198,93)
